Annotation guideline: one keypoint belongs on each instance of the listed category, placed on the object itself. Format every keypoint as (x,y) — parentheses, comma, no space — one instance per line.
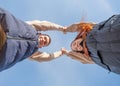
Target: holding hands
(64,51)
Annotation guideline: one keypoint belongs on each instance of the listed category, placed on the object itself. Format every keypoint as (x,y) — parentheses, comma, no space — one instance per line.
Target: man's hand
(64,30)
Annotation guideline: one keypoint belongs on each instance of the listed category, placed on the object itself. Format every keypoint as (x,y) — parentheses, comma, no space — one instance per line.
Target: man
(20,40)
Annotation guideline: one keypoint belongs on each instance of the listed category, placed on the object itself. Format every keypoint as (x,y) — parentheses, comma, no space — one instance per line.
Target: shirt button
(27,34)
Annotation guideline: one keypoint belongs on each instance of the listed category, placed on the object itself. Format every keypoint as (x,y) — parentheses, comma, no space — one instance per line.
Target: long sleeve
(43,56)
(72,28)
(76,27)
(45,25)
(79,57)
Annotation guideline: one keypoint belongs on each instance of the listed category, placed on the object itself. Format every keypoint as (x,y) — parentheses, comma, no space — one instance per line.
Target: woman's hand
(64,51)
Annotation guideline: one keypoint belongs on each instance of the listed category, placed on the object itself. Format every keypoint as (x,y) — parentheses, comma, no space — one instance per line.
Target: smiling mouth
(81,43)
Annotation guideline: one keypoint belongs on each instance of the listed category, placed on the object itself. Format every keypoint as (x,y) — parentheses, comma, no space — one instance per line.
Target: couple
(95,43)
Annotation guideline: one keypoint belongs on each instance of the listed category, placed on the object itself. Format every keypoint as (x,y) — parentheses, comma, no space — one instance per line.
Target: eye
(74,43)
(45,40)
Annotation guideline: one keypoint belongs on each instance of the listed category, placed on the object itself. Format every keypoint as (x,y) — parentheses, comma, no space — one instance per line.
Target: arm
(43,56)
(72,28)
(78,56)
(45,25)
(77,27)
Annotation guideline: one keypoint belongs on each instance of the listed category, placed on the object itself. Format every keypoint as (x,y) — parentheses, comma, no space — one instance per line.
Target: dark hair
(49,38)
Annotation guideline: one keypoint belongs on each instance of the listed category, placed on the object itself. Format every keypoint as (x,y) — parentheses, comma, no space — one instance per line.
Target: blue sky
(62,71)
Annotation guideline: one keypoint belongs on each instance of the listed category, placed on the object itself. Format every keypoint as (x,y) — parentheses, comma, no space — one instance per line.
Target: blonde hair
(2,37)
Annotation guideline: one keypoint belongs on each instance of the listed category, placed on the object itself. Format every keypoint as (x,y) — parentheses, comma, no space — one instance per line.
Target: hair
(49,38)
(2,37)
(84,28)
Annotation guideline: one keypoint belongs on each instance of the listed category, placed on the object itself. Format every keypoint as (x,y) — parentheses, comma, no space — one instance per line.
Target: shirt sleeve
(43,56)
(45,25)
(75,27)
(80,57)
(72,28)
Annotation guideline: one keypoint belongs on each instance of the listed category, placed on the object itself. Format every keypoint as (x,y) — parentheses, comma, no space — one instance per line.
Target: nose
(78,47)
(41,41)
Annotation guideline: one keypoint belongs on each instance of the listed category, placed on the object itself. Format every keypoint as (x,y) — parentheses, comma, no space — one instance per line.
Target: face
(76,45)
(43,40)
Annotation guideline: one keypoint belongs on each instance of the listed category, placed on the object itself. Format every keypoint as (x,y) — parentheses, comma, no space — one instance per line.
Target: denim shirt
(103,43)
(21,45)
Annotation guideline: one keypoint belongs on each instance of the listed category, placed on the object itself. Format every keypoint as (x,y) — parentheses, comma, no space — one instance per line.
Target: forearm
(45,25)
(80,57)
(77,27)
(71,28)
(42,57)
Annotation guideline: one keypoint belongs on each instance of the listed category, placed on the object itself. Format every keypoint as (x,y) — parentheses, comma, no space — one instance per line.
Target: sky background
(62,71)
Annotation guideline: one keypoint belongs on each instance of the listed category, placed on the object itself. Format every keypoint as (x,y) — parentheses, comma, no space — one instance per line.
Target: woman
(97,43)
